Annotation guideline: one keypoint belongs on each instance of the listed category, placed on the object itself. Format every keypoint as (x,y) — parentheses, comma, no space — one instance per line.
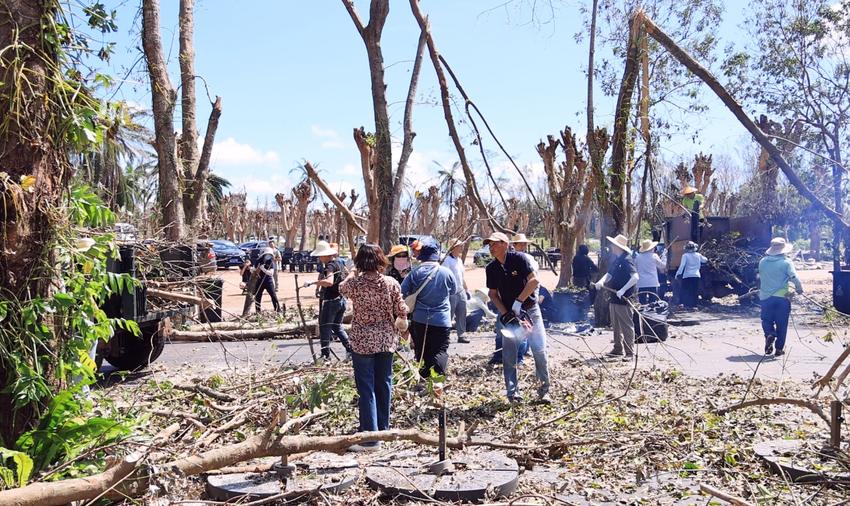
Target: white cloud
(333,144)
(324,132)
(349,169)
(231,152)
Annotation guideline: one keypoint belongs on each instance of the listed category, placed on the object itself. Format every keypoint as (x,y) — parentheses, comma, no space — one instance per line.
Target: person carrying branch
(621,279)
(693,201)
(512,284)
(332,303)
(775,272)
(265,281)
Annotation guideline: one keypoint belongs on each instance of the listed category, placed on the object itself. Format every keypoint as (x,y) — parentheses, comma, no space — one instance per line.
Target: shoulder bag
(410,300)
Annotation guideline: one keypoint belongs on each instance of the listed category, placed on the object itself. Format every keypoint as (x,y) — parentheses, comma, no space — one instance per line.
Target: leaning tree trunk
(30,150)
(164,98)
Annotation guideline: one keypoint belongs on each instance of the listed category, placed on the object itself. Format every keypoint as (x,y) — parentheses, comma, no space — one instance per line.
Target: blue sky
(294,81)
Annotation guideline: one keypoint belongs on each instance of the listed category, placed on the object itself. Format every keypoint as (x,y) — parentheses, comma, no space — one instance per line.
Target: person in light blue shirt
(775,272)
(432,320)
(689,274)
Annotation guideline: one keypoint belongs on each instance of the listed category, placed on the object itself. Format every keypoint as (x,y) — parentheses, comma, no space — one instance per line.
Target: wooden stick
(731,499)
(349,216)
(203,389)
(826,378)
(203,302)
(811,406)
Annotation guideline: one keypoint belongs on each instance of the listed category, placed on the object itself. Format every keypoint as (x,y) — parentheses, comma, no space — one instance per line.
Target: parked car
(253,249)
(206,256)
(482,256)
(227,254)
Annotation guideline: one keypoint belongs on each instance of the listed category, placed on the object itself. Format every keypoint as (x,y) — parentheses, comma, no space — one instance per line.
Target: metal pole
(835,420)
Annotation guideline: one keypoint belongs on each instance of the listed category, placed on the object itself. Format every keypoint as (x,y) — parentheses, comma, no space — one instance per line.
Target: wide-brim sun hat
(688,189)
(497,237)
(267,251)
(395,250)
(323,249)
(520,238)
(647,244)
(481,295)
(454,242)
(778,246)
(620,241)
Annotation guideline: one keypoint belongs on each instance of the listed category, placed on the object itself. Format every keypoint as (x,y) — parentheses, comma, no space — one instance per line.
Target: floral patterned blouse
(377,301)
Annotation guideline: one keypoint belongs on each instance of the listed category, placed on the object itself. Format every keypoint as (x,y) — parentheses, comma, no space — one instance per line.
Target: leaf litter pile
(613,433)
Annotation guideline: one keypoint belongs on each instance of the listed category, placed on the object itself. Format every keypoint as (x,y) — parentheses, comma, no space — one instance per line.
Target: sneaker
(462,340)
(545,399)
(779,353)
(768,346)
(628,358)
(611,354)
(364,447)
(516,399)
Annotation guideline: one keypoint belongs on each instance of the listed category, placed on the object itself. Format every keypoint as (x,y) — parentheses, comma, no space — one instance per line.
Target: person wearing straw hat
(648,265)
(512,283)
(688,272)
(775,272)
(331,302)
(621,279)
(520,243)
(265,281)
(399,262)
(457,300)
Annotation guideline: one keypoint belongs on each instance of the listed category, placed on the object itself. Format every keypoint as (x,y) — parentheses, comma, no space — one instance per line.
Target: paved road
(722,342)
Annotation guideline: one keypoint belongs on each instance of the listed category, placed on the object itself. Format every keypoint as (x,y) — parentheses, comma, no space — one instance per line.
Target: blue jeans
(373,375)
(510,348)
(774,319)
(330,324)
(522,349)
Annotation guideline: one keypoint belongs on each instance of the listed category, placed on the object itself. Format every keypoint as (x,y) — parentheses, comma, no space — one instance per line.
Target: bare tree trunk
(189,136)
(195,200)
(164,97)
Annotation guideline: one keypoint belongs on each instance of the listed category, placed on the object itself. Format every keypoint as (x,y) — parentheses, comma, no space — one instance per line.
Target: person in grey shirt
(457,300)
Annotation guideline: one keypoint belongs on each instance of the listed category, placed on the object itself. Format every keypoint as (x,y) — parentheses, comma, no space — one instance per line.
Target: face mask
(401,264)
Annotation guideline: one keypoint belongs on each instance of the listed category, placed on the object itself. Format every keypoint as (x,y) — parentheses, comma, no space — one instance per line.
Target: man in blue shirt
(512,285)
(432,320)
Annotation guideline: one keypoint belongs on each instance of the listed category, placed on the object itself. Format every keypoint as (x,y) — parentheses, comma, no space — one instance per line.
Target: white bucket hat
(323,249)
(267,251)
(778,246)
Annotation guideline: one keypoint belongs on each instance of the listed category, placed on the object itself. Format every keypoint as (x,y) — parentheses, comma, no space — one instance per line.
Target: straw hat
(620,241)
(454,242)
(778,246)
(323,249)
(688,189)
(519,238)
(496,237)
(395,250)
(647,244)
(481,295)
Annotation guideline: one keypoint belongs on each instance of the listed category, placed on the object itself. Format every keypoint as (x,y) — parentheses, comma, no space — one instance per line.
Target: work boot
(768,345)
(779,353)
(462,340)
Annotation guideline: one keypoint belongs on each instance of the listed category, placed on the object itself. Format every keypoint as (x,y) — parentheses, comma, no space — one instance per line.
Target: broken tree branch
(811,406)
(203,302)
(349,216)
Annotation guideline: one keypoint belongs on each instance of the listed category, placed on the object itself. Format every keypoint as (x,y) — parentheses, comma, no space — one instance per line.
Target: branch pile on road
(613,431)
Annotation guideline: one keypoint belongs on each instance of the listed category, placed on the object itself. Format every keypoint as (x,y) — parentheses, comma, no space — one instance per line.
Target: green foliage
(15,468)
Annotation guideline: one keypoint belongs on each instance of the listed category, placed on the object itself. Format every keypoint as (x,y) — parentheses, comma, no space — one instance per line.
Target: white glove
(620,293)
(516,307)
(307,285)
(599,284)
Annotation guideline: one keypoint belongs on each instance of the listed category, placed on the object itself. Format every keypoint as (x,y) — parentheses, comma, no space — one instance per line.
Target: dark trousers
(373,376)
(266,284)
(581,281)
(690,288)
(473,320)
(431,347)
(330,324)
(647,294)
(774,319)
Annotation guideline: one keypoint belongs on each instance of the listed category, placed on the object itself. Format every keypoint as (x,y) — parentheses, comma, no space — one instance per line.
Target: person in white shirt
(520,243)
(648,264)
(457,300)
(689,273)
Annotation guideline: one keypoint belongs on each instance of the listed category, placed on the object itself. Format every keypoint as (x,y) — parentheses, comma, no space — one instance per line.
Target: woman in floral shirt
(373,337)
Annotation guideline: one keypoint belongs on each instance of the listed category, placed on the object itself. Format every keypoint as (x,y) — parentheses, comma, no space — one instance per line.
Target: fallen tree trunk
(109,483)
(203,302)
(246,334)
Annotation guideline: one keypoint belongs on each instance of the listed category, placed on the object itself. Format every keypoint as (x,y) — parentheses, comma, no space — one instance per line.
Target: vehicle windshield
(224,244)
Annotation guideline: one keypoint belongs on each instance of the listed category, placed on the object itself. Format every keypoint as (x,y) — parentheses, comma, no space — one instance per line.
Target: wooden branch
(349,216)
(244,334)
(471,185)
(189,133)
(349,6)
(811,406)
(407,122)
(731,499)
(210,392)
(202,302)
(199,182)
(685,59)
(826,378)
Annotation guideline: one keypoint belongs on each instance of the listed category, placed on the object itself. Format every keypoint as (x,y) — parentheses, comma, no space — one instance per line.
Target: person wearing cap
(621,279)
(583,267)
(648,265)
(457,300)
(433,284)
(399,260)
(693,201)
(512,284)
(331,302)
(775,272)
(688,272)
(277,258)
(265,280)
